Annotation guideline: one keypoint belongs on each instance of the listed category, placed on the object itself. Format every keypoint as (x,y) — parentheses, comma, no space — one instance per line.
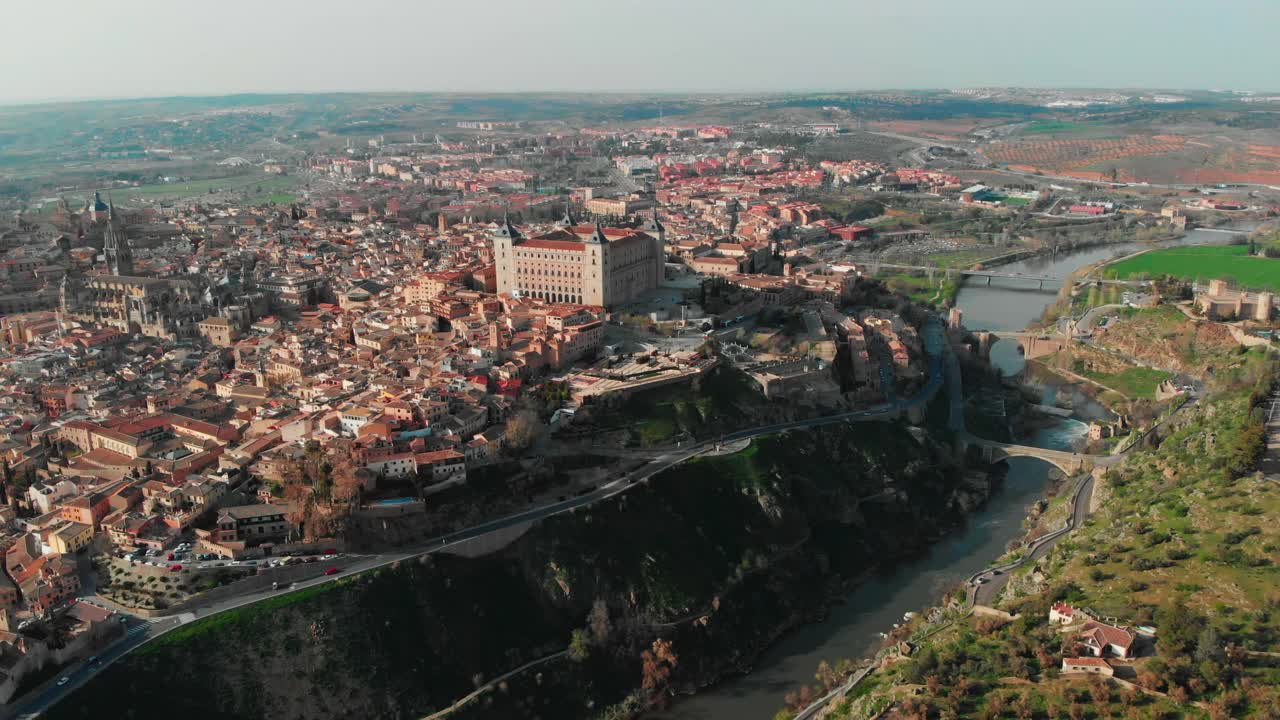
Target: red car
(331,571)
(170,556)
(175,568)
(330,551)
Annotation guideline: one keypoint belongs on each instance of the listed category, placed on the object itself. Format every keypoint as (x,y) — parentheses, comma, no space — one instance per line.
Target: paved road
(988,583)
(136,632)
(1271,461)
(1084,326)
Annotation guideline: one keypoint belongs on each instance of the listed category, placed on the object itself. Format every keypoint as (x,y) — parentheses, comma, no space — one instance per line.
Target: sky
(75,49)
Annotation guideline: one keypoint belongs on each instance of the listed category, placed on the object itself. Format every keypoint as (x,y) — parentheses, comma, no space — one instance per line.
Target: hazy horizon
(148,48)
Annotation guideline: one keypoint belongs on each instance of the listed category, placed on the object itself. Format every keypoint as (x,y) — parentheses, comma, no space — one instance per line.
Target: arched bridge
(1068,462)
(1034,345)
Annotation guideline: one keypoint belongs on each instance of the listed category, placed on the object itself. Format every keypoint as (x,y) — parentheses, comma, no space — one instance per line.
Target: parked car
(332,571)
(169,556)
(63,680)
(311,559)
(175,568)
(330,551)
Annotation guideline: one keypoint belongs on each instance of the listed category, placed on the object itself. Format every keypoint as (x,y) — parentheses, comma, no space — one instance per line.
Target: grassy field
(919,288)
(1136,382)
(961,258)
(1015,201)
(1060,127)
(1229,262)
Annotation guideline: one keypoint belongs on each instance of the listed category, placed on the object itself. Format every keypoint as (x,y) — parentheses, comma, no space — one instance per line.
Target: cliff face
(720,556)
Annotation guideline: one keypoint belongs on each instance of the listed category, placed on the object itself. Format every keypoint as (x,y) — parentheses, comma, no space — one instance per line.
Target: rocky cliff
(718,556)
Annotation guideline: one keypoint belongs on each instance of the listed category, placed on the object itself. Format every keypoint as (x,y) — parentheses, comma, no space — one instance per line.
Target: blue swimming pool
(395,501)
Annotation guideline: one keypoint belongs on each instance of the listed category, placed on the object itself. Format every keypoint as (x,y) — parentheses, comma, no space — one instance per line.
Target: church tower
(568,220)
(654,228)
(505,238)
(115,246)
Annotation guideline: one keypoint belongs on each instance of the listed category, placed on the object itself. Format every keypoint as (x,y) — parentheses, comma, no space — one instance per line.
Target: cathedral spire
(115,245)
(568,220)
(598,235)
(506,229)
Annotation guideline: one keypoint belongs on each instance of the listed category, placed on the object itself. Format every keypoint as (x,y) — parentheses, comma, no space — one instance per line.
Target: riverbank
(1052,251)
(1169,534)
(1005,308)
(1002,309)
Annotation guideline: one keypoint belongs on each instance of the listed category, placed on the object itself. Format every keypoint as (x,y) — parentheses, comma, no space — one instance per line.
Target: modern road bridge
(1040,280)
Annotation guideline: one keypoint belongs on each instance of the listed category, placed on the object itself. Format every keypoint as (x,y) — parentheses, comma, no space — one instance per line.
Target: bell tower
(115,245)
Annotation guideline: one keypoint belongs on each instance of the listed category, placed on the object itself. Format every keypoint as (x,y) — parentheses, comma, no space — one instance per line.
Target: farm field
(257,184)
(953,129)
(1079,153)
(1064,127)
(1228,262)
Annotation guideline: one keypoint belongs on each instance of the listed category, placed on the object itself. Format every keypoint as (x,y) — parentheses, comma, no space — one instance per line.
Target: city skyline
(146,49)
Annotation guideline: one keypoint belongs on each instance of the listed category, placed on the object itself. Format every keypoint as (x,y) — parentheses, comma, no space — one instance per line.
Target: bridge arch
(1068,462)
(1033,345)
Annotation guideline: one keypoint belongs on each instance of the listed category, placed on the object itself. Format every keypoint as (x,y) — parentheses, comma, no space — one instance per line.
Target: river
(852,629)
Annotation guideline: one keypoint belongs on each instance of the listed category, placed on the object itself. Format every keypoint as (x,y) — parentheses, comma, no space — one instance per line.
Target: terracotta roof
(427,458)
(1102,635)
(1086,661)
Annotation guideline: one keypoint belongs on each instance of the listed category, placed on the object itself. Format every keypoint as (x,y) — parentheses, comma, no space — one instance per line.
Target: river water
(852,629)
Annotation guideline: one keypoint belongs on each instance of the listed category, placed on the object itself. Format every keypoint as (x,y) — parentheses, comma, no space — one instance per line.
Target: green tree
(1180,628)
(579,647)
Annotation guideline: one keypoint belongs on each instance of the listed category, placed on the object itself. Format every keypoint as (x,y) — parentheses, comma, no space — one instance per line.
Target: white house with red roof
(1090,665)
(1100,639)
(1064,614)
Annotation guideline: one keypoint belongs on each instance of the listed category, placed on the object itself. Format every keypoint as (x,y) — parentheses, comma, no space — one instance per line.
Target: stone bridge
(1068,462)
(1034,345)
